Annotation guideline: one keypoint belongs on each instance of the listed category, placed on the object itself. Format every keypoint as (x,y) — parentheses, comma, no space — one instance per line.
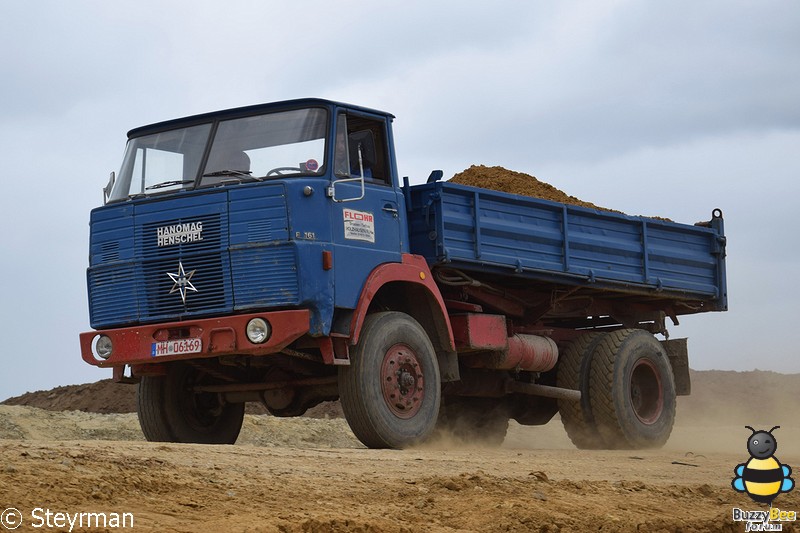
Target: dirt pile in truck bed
(510,181)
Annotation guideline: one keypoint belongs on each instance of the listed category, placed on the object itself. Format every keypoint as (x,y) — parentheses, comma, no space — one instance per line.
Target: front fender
(413,269)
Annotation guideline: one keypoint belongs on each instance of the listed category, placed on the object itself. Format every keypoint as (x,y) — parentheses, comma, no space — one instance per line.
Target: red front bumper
(219,336)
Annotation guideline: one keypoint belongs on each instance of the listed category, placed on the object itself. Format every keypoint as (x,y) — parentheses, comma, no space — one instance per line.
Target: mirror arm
(331,192)
(107,189)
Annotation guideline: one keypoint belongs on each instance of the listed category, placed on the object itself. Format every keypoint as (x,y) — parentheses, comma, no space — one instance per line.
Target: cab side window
(361,144)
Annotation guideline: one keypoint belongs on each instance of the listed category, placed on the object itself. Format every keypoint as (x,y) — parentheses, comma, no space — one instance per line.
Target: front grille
(241,259)
(202,261)
(163,296)
(211,236)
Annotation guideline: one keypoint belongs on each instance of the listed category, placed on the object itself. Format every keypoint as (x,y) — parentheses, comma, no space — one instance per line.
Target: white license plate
(176,347)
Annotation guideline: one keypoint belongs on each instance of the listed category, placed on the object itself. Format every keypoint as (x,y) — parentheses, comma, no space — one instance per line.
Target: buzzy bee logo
(763,477)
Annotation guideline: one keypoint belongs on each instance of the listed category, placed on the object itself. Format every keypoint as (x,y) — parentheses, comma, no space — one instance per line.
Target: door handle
(390,209)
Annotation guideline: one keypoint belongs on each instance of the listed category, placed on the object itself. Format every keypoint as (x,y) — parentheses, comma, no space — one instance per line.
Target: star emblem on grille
(182,282)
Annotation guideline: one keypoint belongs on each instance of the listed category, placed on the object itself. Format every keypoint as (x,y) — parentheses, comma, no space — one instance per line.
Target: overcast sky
(658,108)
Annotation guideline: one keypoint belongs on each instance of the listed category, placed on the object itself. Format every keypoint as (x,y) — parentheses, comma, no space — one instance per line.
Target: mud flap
(678,353)
(448,365)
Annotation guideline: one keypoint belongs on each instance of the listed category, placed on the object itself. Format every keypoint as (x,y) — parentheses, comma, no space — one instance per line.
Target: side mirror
(436,175)
(110,185)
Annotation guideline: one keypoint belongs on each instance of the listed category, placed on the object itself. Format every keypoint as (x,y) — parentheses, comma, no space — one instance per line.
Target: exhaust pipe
(530,353)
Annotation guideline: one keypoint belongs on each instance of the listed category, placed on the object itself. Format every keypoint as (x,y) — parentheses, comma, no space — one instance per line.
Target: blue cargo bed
(484,231)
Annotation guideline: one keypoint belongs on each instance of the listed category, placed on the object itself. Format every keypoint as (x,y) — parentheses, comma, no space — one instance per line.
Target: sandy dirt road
(311,475)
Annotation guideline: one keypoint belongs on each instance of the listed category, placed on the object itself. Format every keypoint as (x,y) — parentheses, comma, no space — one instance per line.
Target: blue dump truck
(271,253)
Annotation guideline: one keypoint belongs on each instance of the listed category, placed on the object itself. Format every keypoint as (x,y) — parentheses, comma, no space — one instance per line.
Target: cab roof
(249,110)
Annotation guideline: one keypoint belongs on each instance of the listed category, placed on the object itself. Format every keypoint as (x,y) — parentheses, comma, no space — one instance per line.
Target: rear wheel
(391,392)
(170,410)
(574,367)
(632,390)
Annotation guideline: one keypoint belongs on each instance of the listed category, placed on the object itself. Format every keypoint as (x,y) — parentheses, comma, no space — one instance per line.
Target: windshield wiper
(168,184)
(228,172)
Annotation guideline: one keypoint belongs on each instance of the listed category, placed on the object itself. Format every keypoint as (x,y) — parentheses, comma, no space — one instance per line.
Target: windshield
(278,144)
(171,157)
(255,147)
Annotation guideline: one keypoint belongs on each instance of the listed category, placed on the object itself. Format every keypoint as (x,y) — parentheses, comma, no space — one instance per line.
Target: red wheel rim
(647,397)
(402,382)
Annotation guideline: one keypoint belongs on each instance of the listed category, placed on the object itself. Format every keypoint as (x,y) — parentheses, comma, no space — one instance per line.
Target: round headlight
(258,330)
(103,347)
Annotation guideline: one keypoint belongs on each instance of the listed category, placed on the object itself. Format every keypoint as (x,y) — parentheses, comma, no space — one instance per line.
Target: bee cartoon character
(763,477)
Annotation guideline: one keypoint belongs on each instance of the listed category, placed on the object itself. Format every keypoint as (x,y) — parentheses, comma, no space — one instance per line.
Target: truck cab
(230,259)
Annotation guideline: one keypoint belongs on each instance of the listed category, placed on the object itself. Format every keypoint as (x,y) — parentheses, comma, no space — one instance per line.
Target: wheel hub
(402,381)
(647,398)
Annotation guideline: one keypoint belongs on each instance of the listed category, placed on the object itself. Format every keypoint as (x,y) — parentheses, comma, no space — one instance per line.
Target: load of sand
(504,180)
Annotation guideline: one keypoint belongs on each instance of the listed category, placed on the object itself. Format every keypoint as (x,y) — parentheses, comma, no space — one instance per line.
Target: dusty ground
(310,474)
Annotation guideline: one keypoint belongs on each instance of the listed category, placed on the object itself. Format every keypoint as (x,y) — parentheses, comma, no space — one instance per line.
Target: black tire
(170,411)
(391,391)
(574,366)
(150,410)
(482,421)
(632,390)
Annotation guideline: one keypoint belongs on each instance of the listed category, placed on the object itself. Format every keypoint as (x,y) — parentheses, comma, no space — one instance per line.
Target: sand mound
(510,181)
(106,396)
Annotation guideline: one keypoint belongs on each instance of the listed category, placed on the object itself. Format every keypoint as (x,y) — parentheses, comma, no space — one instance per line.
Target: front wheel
(391,392)
(170,410)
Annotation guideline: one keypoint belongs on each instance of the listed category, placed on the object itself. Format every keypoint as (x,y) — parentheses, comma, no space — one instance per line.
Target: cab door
(365,213)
